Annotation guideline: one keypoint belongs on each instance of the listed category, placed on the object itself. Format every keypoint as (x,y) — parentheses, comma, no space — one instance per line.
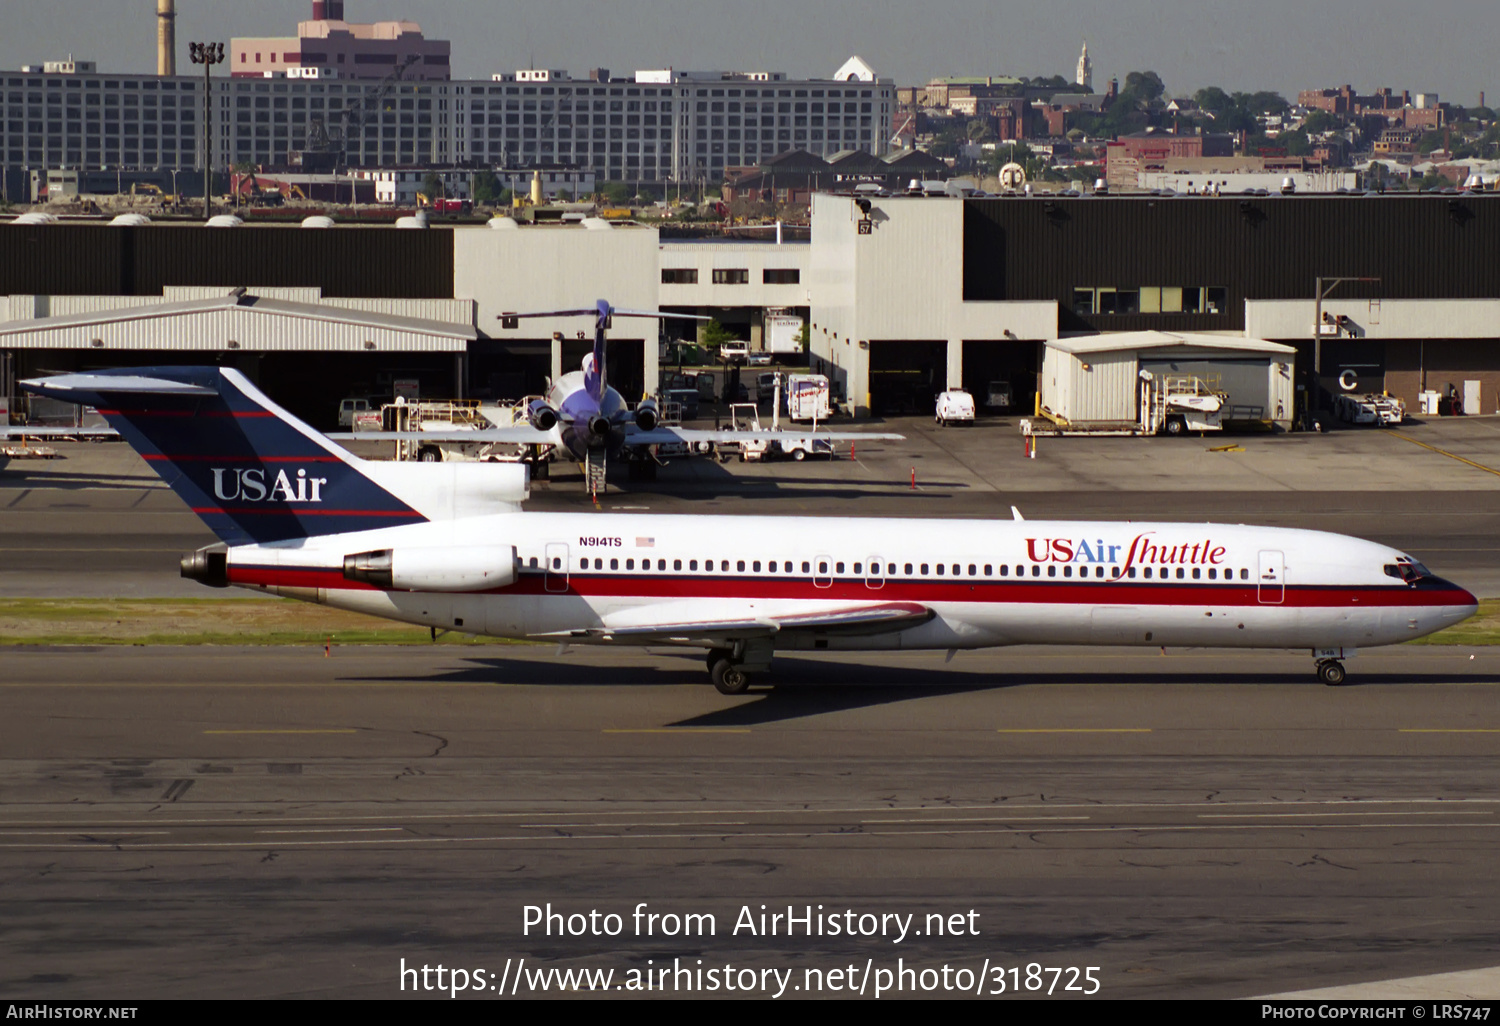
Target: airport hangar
(903,295)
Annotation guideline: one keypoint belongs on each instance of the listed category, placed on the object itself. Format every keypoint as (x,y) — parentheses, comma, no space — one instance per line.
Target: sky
(1443,46)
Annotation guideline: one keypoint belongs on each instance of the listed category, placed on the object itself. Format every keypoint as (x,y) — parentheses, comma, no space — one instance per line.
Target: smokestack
(335,9)
(320,10)
(166,37)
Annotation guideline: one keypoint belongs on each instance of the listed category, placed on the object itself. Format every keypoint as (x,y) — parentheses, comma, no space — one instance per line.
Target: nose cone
(1459,604)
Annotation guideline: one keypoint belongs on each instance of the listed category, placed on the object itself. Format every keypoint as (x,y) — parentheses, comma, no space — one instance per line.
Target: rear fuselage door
(823,571)
(875,573)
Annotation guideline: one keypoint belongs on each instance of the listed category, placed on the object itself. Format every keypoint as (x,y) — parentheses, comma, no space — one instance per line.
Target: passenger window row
(914,569)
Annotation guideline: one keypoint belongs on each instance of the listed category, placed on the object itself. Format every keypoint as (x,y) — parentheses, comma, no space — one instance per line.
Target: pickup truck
(734,352)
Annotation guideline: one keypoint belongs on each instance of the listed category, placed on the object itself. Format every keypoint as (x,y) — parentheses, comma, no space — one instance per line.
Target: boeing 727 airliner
(447,545)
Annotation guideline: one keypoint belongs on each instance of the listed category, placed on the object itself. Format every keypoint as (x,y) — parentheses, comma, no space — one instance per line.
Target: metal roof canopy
(238,321)
(1111,342)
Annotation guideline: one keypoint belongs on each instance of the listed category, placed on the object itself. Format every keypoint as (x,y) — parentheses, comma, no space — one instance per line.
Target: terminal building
(902,297)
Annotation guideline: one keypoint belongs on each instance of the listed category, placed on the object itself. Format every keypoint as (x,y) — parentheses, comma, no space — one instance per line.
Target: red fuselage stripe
(1000,592)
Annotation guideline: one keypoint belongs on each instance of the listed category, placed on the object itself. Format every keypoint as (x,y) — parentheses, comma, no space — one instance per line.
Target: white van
(955,407)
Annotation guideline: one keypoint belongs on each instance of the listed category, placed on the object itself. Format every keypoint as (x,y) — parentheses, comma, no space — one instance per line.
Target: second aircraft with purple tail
(591,420)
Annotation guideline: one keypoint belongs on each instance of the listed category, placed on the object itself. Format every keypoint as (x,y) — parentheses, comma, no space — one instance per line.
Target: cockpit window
(1407,570)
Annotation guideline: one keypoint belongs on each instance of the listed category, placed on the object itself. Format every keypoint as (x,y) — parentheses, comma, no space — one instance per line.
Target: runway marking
(333,830)
(563,826)
(834,832)
(70,833)
(339,731)
(167,820)
(676,730)
(1074,730)
(1306,815)
(1451,456)
(1448,730)
(982,819)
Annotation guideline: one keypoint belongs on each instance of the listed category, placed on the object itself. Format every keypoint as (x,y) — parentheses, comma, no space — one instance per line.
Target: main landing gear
(1331,672)
(729,677)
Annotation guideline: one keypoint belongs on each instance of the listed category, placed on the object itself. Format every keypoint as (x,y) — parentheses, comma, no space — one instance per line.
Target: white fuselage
(986,583)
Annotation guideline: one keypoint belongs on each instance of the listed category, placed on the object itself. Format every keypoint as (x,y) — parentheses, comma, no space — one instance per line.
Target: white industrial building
(888,288)
(649,127)
(1103,382)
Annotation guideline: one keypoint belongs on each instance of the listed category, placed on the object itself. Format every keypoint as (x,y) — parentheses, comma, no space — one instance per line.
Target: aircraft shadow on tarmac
(17,477)
(799,688)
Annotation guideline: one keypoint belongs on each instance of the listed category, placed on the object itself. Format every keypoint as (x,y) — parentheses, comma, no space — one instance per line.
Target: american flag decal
(645,543)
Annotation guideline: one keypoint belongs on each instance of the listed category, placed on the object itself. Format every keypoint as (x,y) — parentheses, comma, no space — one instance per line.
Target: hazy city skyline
(1280,45)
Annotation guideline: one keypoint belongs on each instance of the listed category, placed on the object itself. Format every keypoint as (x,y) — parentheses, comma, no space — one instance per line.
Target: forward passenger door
(1271,583)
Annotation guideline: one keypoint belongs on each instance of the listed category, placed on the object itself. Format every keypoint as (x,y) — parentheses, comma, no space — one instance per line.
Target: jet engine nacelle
(646,415)
(541,416)
(456,568)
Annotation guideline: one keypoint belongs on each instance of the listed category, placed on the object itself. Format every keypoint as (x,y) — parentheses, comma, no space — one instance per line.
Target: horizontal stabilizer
(85,388)
(58,432)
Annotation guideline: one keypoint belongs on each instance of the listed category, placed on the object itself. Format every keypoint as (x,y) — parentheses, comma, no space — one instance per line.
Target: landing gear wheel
(1331,672)
(714,655)
(729,679)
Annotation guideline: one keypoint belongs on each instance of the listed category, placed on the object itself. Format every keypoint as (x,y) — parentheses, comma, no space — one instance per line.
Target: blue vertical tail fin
(247,467)
(596,379)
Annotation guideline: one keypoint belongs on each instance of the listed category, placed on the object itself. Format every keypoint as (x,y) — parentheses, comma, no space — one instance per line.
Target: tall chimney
(320,10)
(335,10)
(166,37)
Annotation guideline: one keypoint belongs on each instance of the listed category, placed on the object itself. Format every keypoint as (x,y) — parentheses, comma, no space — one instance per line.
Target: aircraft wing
(689,623)
(667,435)
(520,433)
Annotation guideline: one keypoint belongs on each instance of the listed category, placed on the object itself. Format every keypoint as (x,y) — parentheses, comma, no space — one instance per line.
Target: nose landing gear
(1331,672)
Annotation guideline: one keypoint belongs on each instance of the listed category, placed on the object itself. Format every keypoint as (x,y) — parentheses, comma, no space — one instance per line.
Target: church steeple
(1085,78)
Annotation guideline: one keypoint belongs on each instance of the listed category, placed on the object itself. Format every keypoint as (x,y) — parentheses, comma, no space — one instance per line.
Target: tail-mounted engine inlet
(370,568)
(209,565)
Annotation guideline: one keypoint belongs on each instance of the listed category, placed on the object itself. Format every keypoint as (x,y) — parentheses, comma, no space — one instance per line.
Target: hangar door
(906,377)
(1014,363)
(509,368)
(1246,379)
(625,359)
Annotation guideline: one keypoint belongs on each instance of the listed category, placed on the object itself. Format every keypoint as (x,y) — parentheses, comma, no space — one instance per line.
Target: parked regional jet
(591,420)
(447,545)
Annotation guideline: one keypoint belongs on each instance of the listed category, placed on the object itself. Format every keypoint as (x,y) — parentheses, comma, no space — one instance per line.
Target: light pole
(207,54)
